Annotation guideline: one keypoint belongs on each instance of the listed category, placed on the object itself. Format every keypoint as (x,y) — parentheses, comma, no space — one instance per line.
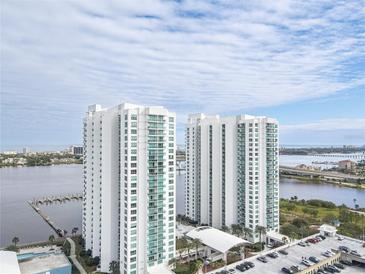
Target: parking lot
(296,253)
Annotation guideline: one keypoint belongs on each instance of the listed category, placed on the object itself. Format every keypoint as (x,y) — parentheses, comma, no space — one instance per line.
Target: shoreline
(319,181)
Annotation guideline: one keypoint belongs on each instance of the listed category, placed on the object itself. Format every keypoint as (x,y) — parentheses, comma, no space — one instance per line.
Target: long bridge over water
(319,174)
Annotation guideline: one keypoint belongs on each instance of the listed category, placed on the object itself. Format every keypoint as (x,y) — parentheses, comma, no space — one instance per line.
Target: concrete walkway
(74,258)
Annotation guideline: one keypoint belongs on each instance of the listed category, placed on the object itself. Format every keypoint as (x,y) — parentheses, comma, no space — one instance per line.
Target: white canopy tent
(216,239)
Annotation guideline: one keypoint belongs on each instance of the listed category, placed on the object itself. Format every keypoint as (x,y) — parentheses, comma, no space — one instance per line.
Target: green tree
(246,232)
(15,240)
(236,229)
(197,244)
(51,238)
(262,231)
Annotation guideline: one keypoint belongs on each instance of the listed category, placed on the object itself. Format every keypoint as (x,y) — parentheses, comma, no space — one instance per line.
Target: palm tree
(236,229)
(189,246)
(181,251)
(15,240)
(246,232)
(197,243)
(114,267)
(51,238)
(261,230)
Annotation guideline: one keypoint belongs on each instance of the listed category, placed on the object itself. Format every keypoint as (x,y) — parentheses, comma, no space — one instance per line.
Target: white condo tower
(232,172)
(129,186)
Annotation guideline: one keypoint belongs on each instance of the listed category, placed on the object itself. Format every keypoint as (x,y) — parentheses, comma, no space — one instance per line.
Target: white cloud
(60,56)
(328,125)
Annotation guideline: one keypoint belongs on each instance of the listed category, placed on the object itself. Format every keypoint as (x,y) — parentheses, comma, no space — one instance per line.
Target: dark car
(250,264)
(339,265)
(273,255)
(327,269)
(346,262)
(262,259)
(313,259)
(344,248)
(283,251)
(241,267)
(287,270)
(335,269)
(224,272)
(322,237)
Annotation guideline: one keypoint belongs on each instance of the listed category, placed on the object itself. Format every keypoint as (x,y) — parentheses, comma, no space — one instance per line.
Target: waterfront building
(76,150)
(129,186)
(232,172)
(347,165)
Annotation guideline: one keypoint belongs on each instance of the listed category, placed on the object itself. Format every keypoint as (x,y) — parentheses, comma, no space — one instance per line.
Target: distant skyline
(301,62)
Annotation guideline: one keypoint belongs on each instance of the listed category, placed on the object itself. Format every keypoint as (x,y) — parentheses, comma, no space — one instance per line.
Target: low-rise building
(346,165)
(34,262)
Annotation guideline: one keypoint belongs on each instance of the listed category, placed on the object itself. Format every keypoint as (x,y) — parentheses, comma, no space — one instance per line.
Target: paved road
(320,173)
(74,258)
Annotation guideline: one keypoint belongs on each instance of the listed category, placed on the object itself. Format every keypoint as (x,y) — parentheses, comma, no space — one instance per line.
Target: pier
(60,199)
(50,200)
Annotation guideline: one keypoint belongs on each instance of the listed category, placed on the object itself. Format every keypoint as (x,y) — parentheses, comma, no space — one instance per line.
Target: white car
(307,263)
(326,254)
(340,238)
(329,251)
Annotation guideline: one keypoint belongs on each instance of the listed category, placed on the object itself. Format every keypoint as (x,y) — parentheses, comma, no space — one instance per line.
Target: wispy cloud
(59,56)
(329,125)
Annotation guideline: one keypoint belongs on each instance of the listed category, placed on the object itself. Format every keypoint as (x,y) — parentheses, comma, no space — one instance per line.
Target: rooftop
(295,254)
(9,262)
(215,238)
(43,263)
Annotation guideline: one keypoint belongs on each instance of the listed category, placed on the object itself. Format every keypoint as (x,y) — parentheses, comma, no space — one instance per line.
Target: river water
(18,185)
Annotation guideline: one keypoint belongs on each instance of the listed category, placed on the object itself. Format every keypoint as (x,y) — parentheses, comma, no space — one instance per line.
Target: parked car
(248,265)
(262,259)
(287,270)
(241,267)
(307,263)
(273,255)
(331,252)
(283,251)
(340,238)
(355,253)
(326,254)
(319,239)
(231,270)
(295,268)
(314,259)
(346,262)
(339,265)
(344,248)
(335,269)
(327,269)
(302,244)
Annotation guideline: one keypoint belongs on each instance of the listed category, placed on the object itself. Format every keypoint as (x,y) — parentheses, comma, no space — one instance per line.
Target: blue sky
(302,62)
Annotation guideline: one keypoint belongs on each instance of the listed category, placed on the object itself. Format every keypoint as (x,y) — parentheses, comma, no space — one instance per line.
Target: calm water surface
(18,185)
